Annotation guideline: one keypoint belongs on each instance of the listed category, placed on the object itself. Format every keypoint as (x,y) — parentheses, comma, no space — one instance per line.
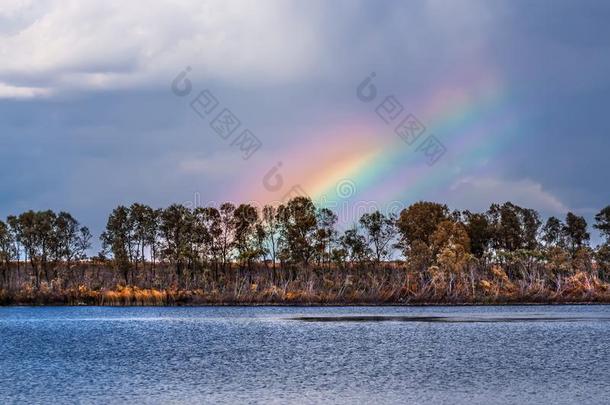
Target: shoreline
(320,305)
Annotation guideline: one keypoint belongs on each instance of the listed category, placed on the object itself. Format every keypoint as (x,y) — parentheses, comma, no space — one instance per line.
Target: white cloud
(8,91)
(217,165)
(479,193)
(74,44)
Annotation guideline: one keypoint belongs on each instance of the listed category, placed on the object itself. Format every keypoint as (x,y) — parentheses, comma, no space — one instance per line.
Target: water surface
(420,355)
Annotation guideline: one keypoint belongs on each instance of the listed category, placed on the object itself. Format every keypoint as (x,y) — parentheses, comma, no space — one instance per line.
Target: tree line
(216,246)
(45,240)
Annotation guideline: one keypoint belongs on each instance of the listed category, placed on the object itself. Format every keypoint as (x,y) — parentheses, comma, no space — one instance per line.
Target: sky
(106,102)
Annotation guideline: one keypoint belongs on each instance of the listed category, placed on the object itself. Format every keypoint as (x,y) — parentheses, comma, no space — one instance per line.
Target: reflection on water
(451,319)
(420,355)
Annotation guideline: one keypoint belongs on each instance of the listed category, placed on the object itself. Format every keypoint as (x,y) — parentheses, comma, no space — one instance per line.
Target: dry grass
(391,285)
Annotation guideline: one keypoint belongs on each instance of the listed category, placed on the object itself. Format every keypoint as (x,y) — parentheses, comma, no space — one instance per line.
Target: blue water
(430,355)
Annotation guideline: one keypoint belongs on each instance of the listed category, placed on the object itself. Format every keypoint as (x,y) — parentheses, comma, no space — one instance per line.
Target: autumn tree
(416,225)
(419,221)
(450,246)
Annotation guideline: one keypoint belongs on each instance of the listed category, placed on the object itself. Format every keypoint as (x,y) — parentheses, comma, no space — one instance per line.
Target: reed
(389,284)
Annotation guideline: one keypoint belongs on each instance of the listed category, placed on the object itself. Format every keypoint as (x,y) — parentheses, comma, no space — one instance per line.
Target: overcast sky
(517,92)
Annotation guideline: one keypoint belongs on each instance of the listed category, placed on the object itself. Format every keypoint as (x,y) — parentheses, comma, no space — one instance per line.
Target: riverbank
(134,296)
(90,284)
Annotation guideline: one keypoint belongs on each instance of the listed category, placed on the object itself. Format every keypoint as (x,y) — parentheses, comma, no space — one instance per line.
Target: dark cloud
(88,148)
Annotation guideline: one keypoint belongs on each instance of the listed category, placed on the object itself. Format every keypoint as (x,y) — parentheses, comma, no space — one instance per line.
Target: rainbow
(470,115)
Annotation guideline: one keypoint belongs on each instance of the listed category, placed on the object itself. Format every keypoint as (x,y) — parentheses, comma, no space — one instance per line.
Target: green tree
(37,237)
(298,225)
(506,226)
(227,236)
(602,224)
(8,253)
(552,233)
(176,231)
(355,245)
(140,220)
(380,231)
(71,240)
(211,231)
(602,258)
(15,230)
(575,231)
(245,220)
(117,240)
(152,231)
(326,234)
(271,228)
(530,225)
(479,232)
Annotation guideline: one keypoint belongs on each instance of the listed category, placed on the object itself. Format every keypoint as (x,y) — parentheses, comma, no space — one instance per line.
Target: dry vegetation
(391,284)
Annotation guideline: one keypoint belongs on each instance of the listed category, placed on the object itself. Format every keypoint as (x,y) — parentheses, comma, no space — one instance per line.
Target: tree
(117,239)
(450,247)
(552,233)
(227,232)
(298,224)
(7,251)
(151,234)
(15,230)
(355,245)
(575,231)
(72,240)
(506,226)
(210,231)
(37,237)
(513,227)
(530,225)
(602,257)
(380,231)
(326,234)
(602,220)
(449,233)
(176,231)
(419,221)
(245,220)
(479,232)
(271,229)
(141,219)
